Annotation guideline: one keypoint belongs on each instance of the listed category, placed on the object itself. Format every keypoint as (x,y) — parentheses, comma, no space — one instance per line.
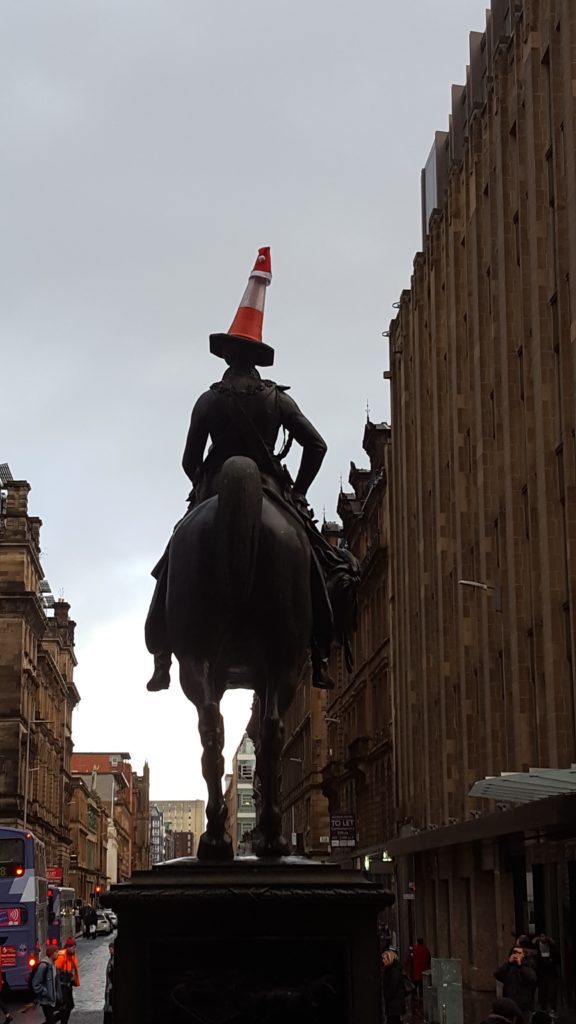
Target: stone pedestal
(250,942)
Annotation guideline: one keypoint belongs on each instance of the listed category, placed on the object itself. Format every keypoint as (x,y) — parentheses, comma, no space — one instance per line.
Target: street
(88,999)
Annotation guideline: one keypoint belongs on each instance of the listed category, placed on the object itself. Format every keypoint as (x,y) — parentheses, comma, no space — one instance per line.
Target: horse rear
(239,615)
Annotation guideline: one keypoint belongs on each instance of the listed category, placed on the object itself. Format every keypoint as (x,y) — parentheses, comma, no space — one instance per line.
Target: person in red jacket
(418,962)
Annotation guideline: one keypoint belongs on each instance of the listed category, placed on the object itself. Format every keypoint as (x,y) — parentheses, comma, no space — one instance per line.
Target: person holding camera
(519,980)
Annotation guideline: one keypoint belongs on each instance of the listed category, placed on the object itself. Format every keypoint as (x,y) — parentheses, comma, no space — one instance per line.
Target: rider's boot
(321,677)
(161,676)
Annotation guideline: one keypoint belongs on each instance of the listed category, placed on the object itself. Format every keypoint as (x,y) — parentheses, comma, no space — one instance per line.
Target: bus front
(19,938)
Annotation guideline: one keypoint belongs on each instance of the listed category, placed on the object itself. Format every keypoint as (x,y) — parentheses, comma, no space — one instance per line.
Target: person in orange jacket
(69,974)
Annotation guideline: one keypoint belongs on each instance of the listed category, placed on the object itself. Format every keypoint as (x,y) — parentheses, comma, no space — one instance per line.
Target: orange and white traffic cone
(246,328)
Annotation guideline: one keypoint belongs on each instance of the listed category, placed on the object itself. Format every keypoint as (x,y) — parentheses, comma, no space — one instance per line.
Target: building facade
(37,691)
(156,835)
(482,370)
(125,797)
(239,797)
(141,847)
(183,816)
(358,774)
(305,820)
(184,844)
(89,820)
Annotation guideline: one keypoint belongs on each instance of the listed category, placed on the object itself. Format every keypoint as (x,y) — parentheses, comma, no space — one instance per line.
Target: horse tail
(238,526)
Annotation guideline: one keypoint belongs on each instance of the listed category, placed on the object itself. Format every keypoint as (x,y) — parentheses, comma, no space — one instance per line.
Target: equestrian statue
(248,588)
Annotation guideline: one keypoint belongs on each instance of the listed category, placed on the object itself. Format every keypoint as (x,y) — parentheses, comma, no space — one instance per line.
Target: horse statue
(239,613)
(242,593)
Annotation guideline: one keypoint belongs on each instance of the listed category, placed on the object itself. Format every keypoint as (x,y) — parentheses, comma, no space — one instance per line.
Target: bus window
(11,857)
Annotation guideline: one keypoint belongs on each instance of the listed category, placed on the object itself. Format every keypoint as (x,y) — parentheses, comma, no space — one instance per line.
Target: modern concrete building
(37,690)
(483,489)
(239,796)
(183,816)
(156,835)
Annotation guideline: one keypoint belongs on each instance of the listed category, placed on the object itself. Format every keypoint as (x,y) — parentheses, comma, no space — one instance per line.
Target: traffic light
(98,890)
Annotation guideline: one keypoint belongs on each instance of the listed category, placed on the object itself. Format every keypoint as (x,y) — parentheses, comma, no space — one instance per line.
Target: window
(526,508)
(245,771)
(245,801)
(560,473)
(521,372)
(516,223)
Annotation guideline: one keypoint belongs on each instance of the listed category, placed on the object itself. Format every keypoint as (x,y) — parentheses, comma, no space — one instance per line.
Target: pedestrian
(519,980)
(393,987)
(108,1010)
(69,975)
(418,961)
(504,1011)
(92,922)
(547,970)
(7,1015)
(45,985)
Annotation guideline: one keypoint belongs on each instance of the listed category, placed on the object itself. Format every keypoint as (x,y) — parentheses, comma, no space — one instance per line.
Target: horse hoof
(277,847)
(215,849)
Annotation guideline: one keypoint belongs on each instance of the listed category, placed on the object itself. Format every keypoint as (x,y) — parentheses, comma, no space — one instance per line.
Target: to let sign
(54,874)
(342,830)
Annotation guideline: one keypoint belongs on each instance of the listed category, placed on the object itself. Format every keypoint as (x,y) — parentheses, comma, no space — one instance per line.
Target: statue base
(248,942)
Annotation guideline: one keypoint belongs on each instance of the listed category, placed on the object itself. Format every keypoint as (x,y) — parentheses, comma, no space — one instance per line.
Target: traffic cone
(246,328)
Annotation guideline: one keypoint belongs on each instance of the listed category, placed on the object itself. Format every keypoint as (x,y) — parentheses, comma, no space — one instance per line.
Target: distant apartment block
(183,816)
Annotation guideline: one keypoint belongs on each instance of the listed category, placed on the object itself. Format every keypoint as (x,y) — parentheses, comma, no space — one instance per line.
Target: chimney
(17,498)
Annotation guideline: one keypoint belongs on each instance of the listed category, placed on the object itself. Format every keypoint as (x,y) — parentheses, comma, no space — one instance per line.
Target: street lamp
(296,760)
(27,770)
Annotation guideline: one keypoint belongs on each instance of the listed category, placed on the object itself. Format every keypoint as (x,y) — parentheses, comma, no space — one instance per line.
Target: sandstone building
(89,821)
(125,796)
(305,812)
(337,758)
(358,777)
(37,691)
(483,491)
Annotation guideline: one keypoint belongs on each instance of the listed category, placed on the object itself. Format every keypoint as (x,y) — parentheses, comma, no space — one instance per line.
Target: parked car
(112,918)
(103,924)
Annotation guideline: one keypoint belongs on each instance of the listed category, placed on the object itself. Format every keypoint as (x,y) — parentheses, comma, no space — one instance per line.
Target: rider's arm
(313,445)
(197,436)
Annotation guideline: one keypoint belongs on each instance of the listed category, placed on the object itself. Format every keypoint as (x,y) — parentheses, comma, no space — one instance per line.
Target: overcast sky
(147,149)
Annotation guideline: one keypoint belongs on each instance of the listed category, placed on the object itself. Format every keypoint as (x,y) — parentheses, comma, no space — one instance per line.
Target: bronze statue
(247,586)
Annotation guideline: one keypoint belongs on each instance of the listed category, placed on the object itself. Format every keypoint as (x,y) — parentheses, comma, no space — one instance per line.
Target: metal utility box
(442,992)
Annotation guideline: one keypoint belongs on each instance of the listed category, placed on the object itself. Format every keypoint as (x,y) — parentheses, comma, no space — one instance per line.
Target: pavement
(88,999)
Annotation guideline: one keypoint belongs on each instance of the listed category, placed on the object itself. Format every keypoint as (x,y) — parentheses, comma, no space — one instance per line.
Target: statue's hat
(246,328)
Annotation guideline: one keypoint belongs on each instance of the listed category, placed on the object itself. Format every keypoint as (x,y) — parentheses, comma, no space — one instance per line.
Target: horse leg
(215,843)
(268,750)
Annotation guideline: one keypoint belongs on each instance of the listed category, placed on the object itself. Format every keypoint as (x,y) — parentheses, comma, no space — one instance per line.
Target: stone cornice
(27,606)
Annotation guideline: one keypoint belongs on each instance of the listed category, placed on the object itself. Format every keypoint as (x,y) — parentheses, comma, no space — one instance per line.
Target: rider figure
(242,415)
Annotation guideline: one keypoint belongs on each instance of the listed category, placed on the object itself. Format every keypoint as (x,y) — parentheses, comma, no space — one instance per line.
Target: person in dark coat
(504,1011)
(393,987)
(548,971)
(519,980)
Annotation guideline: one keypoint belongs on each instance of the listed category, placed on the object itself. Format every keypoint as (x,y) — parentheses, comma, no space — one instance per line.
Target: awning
(523,787)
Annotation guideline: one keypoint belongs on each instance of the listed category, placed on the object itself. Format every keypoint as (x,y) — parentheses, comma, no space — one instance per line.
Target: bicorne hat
(246,329)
